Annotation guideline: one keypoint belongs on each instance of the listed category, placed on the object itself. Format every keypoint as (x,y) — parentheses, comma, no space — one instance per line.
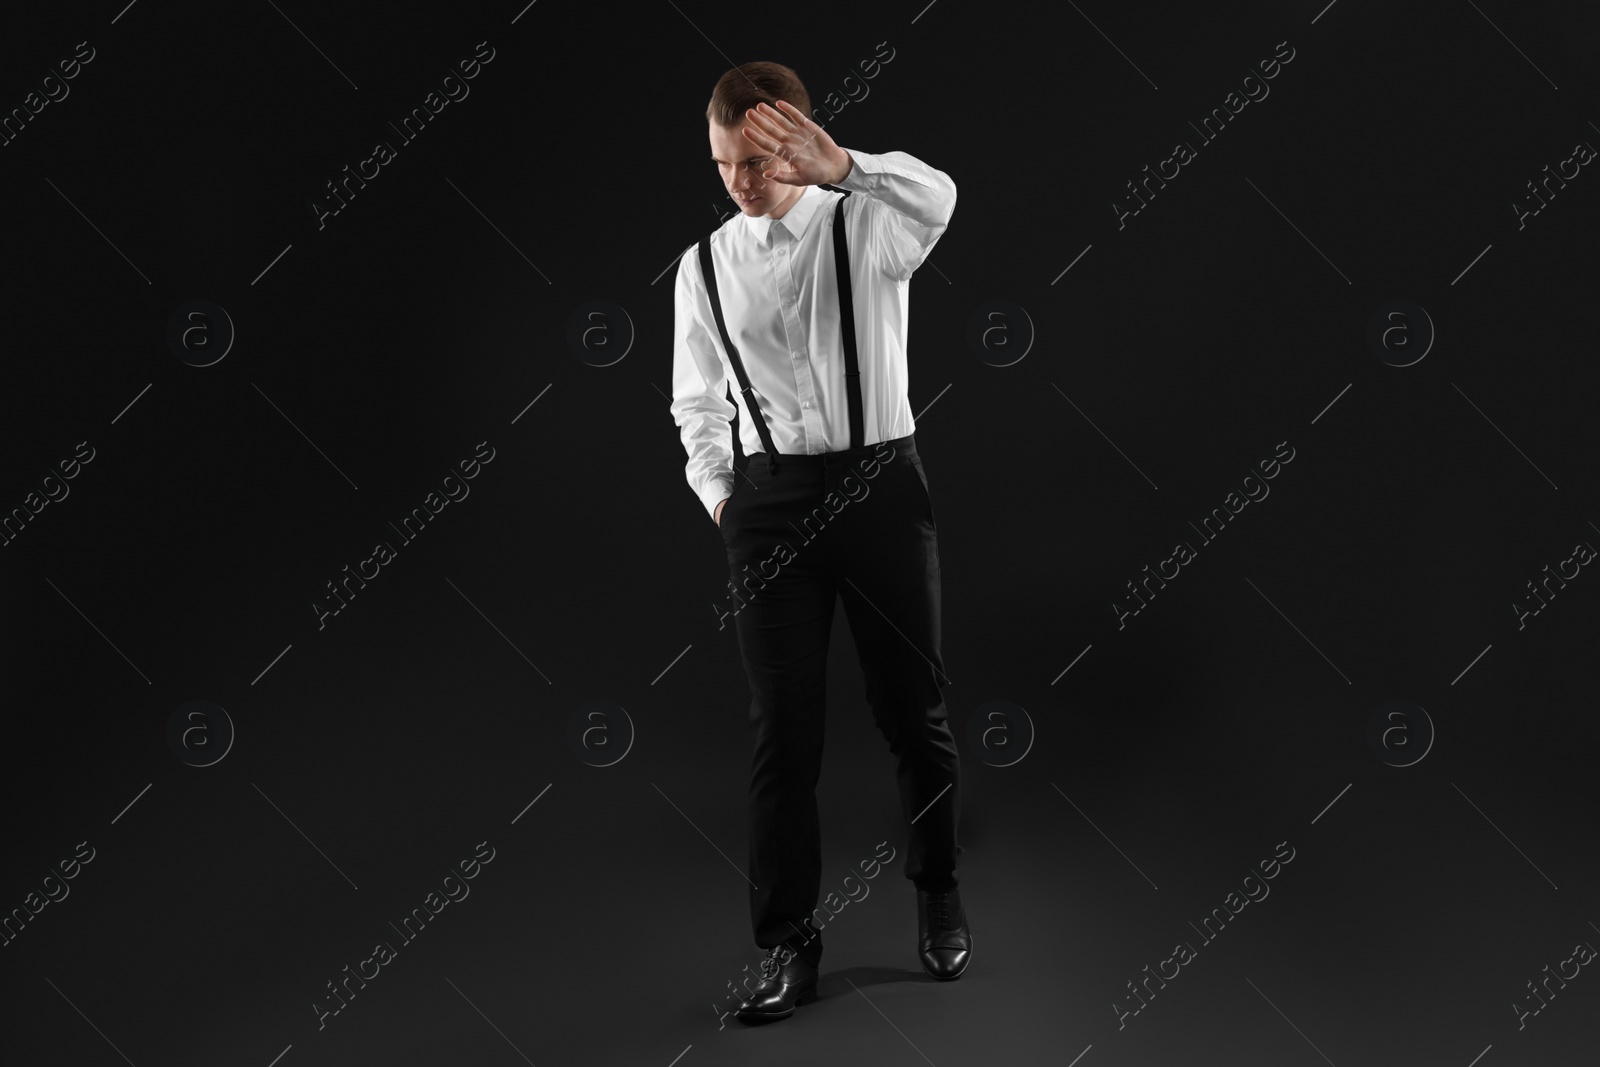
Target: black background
(373,354)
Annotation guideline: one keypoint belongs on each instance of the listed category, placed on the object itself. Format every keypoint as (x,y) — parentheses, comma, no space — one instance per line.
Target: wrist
(849,167)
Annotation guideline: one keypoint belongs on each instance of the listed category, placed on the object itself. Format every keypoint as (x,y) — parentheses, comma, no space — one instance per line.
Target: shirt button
(806,404)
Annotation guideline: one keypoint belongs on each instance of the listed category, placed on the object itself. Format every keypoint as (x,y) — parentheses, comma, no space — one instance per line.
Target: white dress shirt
(780,301)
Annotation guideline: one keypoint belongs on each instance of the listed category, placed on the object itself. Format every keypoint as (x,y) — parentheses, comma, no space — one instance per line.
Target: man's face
(740,164)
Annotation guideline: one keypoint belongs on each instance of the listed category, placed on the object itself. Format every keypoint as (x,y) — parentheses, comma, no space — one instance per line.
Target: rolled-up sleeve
(700,405)
(919,202)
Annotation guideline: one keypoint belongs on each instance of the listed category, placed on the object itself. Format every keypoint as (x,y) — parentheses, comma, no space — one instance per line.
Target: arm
(908,206)
(700,406)
(907,203)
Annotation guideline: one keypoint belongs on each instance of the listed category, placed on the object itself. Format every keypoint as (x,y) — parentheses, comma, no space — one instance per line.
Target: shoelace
(939,912)
(773,963)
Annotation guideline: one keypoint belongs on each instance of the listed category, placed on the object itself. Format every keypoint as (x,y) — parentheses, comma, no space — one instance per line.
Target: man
(832,501)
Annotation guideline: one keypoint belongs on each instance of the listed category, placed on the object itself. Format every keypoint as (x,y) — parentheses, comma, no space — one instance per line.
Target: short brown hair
(749,84)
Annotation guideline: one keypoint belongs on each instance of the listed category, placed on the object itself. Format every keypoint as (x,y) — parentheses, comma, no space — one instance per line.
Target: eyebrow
(746,159)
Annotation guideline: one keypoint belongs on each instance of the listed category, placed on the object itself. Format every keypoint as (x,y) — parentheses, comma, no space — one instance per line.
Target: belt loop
(772,463)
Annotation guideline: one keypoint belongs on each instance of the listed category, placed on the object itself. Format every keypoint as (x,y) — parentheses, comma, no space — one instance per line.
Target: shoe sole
(758,1016)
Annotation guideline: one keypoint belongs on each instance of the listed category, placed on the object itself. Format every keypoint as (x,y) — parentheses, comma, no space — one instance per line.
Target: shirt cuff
(853,180)
(717,492)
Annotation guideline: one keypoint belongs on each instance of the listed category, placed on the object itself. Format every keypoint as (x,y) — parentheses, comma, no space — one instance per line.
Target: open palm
(802,152)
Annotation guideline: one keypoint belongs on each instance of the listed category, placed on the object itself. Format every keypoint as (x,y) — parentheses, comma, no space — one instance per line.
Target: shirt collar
(795,220)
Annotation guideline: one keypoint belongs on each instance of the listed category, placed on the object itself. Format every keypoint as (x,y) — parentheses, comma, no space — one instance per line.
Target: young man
(831,502)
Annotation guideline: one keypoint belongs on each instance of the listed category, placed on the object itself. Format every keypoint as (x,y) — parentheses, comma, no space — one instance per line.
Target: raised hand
(802,151)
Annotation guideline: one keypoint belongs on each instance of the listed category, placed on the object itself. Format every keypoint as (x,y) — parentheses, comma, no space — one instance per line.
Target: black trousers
(856,524)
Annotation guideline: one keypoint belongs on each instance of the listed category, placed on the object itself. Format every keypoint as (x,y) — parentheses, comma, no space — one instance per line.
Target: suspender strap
(847,334)
(710,274)
(847,319)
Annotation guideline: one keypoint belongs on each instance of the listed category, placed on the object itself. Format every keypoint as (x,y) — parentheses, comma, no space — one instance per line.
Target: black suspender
(710,274)
(847,321)
(847,333)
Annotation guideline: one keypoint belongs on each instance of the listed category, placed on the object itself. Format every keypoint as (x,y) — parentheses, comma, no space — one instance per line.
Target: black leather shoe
(944,943)
(786,980)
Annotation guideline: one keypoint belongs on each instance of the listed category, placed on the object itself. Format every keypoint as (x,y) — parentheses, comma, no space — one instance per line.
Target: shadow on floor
(839,983)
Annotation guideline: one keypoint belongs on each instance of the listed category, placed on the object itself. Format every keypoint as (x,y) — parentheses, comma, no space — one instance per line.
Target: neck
(781,212)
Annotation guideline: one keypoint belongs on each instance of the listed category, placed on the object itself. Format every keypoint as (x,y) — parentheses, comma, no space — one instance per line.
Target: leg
(887,553)
(783,623)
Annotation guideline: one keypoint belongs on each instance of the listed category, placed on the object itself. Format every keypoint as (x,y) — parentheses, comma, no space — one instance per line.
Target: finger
(780,134)
(799,117)
(779,119)
(775,162)
(764,122)
(809,133)
(762,140)
(806,127)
